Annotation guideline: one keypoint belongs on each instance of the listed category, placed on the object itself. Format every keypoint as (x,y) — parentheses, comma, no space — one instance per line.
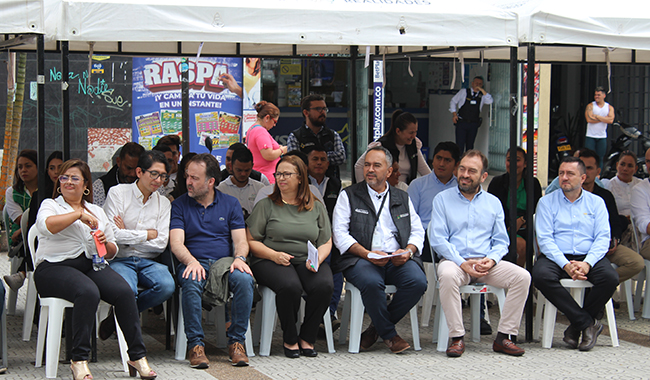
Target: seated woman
(499,187)
(621,187)
(278,231)
(405,147)
(64,268)
(18,198)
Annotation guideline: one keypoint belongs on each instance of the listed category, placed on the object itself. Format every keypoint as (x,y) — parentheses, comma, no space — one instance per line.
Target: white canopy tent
(20,19)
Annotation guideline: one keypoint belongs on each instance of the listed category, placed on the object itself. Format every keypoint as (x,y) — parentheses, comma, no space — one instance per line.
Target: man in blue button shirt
(205,225)
(573,234)
(468,232)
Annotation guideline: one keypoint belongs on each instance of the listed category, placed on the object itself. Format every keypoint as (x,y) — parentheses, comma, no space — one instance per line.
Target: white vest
(598,130)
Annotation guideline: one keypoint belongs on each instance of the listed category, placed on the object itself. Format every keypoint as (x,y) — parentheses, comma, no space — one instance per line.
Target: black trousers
(75,280)
(547,276)
(289,283)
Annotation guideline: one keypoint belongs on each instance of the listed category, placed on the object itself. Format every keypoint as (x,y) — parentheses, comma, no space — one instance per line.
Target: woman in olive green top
(278,230)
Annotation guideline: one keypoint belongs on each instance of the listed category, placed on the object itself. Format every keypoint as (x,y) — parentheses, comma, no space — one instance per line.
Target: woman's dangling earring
(86,191)
(58,189)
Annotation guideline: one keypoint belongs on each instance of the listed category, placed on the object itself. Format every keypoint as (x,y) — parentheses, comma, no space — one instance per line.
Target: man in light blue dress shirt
(467,230)
(573,234)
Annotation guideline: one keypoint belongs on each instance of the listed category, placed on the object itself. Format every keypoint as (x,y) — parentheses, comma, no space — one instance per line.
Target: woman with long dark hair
(402,143)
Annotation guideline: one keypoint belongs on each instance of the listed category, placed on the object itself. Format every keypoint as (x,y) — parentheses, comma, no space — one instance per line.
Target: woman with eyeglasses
(403,144)
(71,231)
(266,151)
(278,230)
(621,187)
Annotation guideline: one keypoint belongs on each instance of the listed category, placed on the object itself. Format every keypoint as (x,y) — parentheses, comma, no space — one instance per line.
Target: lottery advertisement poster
(216,91)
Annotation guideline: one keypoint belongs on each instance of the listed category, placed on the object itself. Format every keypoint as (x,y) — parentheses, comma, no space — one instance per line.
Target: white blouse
(622,192)
(74,239)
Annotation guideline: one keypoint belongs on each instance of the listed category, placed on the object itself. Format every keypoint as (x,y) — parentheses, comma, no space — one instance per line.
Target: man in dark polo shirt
(205,225)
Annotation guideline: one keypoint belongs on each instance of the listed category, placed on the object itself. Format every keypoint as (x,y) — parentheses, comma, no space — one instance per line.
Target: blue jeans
(371,280)
(597,145)
(153,276)
(241,285)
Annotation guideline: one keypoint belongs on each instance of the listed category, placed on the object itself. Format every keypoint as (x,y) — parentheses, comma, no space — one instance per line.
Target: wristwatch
(411,252)
(242,258)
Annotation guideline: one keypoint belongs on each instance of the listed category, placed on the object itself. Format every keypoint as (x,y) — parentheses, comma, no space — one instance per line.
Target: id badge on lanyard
(377,235)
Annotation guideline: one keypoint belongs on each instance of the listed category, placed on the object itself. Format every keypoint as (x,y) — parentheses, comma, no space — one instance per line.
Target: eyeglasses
(154,175)
(284,175)
(66,178)
(320,109)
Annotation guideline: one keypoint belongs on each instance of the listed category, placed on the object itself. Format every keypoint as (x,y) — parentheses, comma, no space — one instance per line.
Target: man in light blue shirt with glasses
(573,234)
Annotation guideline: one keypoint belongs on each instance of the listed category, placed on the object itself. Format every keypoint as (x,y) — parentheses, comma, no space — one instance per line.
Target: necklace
(287,203)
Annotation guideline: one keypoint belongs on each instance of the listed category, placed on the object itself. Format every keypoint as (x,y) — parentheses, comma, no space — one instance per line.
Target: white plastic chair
(181,338)
(3,332)
(440,328)
(626,288)
(51,320)
(577,291)
(32,294)
(353,316)
(265,323)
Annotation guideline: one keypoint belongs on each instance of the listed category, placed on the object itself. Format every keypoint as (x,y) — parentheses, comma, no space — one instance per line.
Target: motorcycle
(622,143)
(561,148)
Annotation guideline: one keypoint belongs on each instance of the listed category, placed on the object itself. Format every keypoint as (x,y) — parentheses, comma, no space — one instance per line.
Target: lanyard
(382,205)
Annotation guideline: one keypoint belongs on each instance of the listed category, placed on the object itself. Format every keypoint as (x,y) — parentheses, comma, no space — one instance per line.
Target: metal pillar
(352,125)
(40,110)
(530,139)
(185,98)
(65,99)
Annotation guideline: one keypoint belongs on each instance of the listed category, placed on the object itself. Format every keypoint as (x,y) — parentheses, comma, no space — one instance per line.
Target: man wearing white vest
(598,114)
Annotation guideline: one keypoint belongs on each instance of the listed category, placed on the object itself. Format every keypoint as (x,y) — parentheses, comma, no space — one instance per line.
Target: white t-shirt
(622,193)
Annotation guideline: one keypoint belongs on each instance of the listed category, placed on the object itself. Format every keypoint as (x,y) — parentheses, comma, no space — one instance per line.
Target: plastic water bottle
(98,263)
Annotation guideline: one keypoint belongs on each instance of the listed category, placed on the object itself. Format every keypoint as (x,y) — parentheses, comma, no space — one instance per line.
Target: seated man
(239,184)
(122,172)
(373,217)
(573,237)
(468,232)
(205,226)
(141,215)
(254,174)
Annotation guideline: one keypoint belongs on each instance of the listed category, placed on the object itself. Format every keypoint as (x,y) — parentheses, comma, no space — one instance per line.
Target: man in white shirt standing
(141,215)
(239,184)
(466,107)
(598,114)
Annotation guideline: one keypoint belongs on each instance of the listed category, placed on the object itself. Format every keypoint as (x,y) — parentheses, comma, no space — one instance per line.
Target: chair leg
(329,334)
(30,306)
(443,332)
(538,315)
(268,320)
(356,320)
(436,319)
(611,323)
(250,352)
(345,319)
(4,337)
(122,344)
(475,309)
(42,328)
(626,287)
(415,328)
(646,297)
(429,295)
(53,342)
(550,312)
(638,294)
(181,338)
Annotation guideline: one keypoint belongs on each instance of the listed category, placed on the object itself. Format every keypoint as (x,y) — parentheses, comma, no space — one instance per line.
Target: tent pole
(65,99)
(40,106)
(352,123)
(185,104)
(512,207)
(530,144)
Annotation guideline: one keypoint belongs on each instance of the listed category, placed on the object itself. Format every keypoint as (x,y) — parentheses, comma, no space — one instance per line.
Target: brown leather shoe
(589,336)
(397,344)
(507,347)
(369,337)
(198,359)
(237,354)
(456,348)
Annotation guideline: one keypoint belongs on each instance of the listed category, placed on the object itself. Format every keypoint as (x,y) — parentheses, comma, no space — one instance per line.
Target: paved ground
(627,361)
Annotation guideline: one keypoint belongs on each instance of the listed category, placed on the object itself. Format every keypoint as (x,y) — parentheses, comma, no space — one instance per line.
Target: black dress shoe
(107,326)
(571,337)
(292,354)
(486,329)
(589,336)
(308,352)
